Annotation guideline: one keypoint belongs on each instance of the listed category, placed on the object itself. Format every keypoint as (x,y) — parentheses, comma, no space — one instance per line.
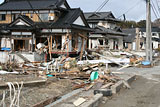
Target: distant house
(129,41)
(26,23)
(136,39)
(106,33)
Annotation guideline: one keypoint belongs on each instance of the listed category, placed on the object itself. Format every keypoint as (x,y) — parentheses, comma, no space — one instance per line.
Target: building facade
(106,32)
(26,23)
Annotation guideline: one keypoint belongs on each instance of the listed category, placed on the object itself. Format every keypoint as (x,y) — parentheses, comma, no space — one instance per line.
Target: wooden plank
(46,102)
(77,86)
(89,87)
(28,83)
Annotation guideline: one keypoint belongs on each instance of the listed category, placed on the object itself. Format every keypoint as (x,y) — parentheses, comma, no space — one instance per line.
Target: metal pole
(148,33)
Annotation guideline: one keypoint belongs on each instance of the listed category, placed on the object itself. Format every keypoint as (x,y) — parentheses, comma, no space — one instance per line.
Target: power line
(101,6)
(154,8)
(130,9)
(158,6)
(154,12)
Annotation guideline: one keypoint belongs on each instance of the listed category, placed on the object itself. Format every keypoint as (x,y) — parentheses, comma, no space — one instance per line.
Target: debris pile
(90,74)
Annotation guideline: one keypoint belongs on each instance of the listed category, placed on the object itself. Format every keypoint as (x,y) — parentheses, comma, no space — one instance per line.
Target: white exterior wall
(111,43)
(155,45)
(94,43)
(63,40)
(120,43)
(107,25)
(70,45)
(134,46)
(79,43)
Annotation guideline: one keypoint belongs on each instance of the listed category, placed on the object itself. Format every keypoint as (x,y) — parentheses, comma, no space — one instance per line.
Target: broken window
(101,41)
(106,41)
(58,42)
(2,17)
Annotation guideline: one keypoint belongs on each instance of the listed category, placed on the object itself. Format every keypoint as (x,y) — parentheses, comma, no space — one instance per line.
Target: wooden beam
(70,43)
(35,43)
(67,45)
(82,36)
(81,54)
(76,47)
(51,42)
(49,48)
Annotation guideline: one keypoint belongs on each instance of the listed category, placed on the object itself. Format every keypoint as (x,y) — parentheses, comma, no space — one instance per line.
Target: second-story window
(14,16)
(44,17)
(2,17)
(31,15)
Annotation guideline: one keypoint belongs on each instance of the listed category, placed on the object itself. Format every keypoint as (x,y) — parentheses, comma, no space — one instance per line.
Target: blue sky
(118,7)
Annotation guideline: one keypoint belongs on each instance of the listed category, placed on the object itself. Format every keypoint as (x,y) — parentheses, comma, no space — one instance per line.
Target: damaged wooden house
(106,32)
(27,26)
(136,39)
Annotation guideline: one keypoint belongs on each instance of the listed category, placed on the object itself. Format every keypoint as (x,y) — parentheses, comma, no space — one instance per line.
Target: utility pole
(148,32)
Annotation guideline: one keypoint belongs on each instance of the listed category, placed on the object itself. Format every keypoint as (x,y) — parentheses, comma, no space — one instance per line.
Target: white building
(106,33)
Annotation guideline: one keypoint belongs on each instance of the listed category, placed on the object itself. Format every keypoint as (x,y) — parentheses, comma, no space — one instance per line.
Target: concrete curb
(96,99)
(65,97)
(131,79)
(116,88)
(93,102)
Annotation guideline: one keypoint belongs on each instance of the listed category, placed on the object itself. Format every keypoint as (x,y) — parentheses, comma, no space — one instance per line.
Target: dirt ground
(143,93)
(32,95)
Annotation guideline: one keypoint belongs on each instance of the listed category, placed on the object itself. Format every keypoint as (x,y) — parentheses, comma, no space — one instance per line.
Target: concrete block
(116,88)
(105,92)
(94,101)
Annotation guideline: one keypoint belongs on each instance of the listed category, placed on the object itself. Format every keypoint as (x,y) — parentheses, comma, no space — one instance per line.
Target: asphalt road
(144,92)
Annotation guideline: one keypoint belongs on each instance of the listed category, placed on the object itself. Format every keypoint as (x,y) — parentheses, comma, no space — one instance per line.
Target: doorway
(21,45)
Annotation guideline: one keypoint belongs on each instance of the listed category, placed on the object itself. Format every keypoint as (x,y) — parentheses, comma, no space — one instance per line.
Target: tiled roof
(103,30)
(65,21)
(131,35)
(92,16)
(24,5)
